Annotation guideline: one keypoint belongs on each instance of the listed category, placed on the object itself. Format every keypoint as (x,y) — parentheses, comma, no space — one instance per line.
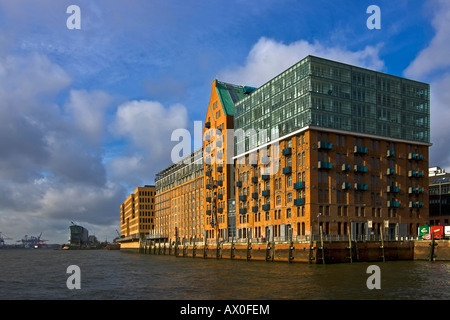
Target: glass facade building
(317,92)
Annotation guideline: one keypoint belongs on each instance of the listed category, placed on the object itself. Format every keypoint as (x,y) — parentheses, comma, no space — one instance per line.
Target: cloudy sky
(87,115)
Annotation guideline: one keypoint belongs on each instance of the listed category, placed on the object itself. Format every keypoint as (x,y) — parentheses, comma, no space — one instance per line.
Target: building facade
(137,213)
(322,147)
(439,184)
(332,147)
(218,149)
(180,206)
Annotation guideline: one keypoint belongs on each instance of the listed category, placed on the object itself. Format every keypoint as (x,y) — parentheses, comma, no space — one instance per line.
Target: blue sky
(86,115)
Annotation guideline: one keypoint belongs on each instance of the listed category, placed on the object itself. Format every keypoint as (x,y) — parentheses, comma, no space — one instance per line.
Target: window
(278,200)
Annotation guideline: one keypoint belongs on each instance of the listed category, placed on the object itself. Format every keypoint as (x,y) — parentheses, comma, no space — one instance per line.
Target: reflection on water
(41,274)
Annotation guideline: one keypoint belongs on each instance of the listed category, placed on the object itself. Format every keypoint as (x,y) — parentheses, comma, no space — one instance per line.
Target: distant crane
(2,239)
(32,241)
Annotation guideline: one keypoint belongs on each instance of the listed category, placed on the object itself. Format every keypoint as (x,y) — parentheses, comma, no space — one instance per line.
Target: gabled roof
(229,94)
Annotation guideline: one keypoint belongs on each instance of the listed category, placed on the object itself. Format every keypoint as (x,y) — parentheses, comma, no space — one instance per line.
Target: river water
(117,275)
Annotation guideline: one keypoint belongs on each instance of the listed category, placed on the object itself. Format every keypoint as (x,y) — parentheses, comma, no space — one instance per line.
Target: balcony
(390,153)
(345,167)
(360,149)
(360,186)
(299,185)
(390,171)
(254,195)
(287,151)
(266,207)
(266,193)
(254,179)
(415,156)
(324,165)
(345,186)
(393,189)
(255,209)
(242,211)
(287,170)
(415,204)
(238,184)
(324,145)
(412,190)
(299,201)
(243,198)
(393,204)
(414,173)
(360,169)
(265,177)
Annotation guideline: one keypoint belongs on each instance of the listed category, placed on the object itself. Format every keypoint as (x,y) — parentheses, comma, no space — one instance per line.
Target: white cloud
(149,125)
(432,65)
(268,58)
(133,170)
(435,56)
(51,168)
(88,109)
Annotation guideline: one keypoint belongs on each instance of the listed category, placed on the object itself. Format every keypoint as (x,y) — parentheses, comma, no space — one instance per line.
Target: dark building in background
(439,186)
(78,235)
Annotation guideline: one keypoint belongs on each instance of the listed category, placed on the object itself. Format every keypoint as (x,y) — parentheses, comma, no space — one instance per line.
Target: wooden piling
(249,256)
(311,247)
(382,245)
(432,247)
(349,245)
(321,245)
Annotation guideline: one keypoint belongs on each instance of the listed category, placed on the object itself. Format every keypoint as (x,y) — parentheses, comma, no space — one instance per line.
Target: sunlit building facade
(137,213)
(322,146)
(332,147)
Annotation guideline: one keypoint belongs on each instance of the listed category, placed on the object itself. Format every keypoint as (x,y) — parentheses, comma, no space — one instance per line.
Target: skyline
(87,115)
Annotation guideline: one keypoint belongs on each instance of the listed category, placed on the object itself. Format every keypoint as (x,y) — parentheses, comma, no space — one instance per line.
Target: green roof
(229,94)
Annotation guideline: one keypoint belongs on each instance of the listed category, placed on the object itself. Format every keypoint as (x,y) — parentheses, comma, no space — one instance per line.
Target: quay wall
(132,246)
(306,252)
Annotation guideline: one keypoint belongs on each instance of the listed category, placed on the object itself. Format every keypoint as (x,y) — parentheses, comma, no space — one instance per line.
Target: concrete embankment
(309,252)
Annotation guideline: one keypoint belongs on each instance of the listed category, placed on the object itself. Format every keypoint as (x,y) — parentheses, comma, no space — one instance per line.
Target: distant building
(78,235)
(439,184)
(137,213)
